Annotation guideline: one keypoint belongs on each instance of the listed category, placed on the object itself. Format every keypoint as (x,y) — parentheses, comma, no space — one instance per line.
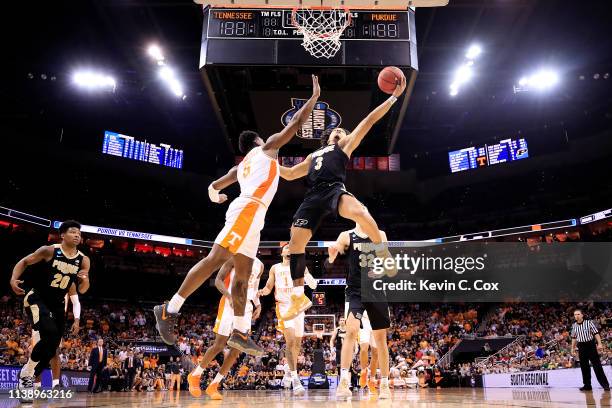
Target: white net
(322,29)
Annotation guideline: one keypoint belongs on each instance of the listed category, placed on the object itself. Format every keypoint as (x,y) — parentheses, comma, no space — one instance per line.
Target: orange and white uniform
(224,323)
(283,287)
(258,178)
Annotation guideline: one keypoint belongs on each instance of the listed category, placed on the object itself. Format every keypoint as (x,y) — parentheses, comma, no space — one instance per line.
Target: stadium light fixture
(94,80)
(167,75)
(155,52)
(473,52)
(541,80)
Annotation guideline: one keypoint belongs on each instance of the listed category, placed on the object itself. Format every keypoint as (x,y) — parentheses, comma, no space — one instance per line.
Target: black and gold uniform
(360,254)
(326,176)
(44,302)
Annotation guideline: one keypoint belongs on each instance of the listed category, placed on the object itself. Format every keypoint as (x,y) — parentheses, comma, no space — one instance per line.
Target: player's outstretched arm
(338,247)
(44,253)
(297,171)
(221,275)
(83,276)
(352,141)
(278,140)
(266,290)
(219,184)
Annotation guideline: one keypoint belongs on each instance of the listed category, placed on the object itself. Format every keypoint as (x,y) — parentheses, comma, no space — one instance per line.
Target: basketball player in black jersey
(326,171)
(44,301)
(359,250)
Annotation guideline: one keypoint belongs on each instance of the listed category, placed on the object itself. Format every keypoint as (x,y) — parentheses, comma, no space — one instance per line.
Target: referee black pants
(587,352)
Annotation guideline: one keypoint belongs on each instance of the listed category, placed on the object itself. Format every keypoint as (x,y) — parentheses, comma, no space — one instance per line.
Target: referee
(585,333)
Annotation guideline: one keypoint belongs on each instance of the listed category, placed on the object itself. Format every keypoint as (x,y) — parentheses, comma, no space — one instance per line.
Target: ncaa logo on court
(322,118)
(65,381)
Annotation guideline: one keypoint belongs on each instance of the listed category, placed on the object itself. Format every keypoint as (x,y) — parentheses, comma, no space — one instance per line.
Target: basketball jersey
(258,176)
(340,335)
(253,283)
(58,274)
(283,283)
(360,254)
(328,165)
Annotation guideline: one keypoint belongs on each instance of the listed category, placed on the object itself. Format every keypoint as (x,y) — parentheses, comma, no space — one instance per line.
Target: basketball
(389,78)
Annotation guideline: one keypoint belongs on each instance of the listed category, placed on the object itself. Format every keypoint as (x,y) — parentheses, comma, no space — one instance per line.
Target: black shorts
(320,201)
(40,313)
(378,311)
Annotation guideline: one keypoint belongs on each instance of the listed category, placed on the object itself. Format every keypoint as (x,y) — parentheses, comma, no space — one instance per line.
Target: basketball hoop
(321,28)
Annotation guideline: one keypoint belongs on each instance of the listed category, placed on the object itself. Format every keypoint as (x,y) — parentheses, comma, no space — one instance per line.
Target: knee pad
(297,265)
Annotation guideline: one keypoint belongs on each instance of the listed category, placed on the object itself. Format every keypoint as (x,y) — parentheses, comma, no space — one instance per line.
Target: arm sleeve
(76,306)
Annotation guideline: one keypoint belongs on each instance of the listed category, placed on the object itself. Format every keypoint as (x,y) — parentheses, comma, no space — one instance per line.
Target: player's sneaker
(391,267)
(286,382)
(242,342)
(385,391)
(165,323)
(299,304)
(26,389)
(363,378)
(343,391)
(298,388)
(194,385)
(372,387)
(213,391)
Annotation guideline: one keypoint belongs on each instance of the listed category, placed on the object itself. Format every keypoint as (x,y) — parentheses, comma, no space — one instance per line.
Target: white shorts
(224,324)
(296,324)
(244,221)
(365,332)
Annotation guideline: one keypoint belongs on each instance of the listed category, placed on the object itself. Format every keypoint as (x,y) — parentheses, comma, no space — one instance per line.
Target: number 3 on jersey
(318,162)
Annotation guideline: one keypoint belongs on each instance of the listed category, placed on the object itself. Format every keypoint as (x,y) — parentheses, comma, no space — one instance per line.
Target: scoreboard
(116,144)
(373,38)
(276,24)
(488,155)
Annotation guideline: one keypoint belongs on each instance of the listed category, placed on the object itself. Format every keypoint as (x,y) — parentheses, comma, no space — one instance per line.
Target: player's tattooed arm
(266,290)
(44,253)
(338,247)
(83,276)
(278,140)
(220,278)
(297,171)
(219,184)
(352,141)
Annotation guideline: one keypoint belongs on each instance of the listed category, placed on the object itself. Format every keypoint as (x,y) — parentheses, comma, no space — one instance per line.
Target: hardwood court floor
(456,397)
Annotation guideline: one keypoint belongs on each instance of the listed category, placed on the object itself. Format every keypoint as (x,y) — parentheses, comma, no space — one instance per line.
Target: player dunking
(358,247)
(257,175)
(326,171)
(280,280)
(223,326)
(44,301)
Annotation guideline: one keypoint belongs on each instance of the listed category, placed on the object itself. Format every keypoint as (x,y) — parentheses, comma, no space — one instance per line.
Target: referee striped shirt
(584,331)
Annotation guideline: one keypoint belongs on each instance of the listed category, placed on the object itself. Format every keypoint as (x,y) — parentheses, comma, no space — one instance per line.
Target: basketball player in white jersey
(257,175)
(360,252)
(366,343)
(223,326)
(280,280)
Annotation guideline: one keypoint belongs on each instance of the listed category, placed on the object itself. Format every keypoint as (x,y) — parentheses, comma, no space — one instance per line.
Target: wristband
(393,99)
(213,194)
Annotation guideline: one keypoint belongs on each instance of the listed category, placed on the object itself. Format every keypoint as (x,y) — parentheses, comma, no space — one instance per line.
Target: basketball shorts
(224,324)
(320,201)
(377,312)
(296,324)
(244,221)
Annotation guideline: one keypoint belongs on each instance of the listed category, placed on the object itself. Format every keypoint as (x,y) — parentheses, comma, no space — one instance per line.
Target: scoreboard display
(488,155)
(266,36)
(276,24)
(116,144)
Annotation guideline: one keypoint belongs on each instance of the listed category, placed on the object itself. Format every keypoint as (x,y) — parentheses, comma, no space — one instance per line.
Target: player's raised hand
(222,198)
(16,288)
(316,89)
(400,88)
